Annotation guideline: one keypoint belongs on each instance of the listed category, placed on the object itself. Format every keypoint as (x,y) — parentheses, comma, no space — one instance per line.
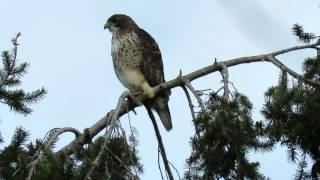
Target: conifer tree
(226,134)
(225,130)
(118,160)
(292,111)
(10,78)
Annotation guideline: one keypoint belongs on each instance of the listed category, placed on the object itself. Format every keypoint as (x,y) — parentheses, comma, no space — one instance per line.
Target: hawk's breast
(127,57)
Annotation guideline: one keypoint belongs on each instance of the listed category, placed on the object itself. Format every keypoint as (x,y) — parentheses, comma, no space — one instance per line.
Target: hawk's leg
(147,90)
(136,96)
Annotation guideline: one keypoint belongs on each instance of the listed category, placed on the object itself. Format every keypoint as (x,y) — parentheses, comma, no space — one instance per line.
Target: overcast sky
(69,53)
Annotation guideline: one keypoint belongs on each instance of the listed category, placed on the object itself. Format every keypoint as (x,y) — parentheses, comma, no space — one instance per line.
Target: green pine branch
(10,78)
(303,36)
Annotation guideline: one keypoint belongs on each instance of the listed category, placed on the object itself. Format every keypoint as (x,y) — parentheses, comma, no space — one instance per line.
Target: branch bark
(225,79)
(39,154)
(127,106)
(160,144)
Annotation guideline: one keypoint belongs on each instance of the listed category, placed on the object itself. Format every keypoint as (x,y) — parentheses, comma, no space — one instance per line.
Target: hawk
(138,64)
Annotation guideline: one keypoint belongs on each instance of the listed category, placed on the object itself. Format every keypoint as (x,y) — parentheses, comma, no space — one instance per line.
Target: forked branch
(127,106)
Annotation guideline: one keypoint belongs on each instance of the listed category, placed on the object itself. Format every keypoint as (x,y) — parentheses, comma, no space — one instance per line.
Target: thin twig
(115,115)
(39,153)
(160,143)
(194,92)
(121,162)
(134,143)
(234,87)
(127,147)
(159,166)
(105,121)
(15,49)
(284,51)
(218,90)
(12,62)
(284,68)
(191,106)
(175,170)
(96,161)
(107,134)
(108,175)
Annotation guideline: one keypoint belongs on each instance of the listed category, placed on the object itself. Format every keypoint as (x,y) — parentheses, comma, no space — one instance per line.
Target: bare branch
(160,143)
(234,87)
(115,116)
(283,51)
(175,170)
(284,68)
(96,161)
(194,92)
(105,121)
(225,76)
(191,106)
(39,154)
(133,177)
(159,164)
(108,120)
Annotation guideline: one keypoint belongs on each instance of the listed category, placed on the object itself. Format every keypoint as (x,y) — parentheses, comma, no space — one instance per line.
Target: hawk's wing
(151,66)
(152,70)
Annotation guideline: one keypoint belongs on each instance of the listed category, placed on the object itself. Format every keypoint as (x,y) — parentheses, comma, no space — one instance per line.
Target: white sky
(69,53)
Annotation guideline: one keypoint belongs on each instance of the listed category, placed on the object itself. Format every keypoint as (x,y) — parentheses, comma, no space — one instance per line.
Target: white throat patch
(115,44)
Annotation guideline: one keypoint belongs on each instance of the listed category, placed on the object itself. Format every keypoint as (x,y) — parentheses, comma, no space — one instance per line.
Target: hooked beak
(106,26)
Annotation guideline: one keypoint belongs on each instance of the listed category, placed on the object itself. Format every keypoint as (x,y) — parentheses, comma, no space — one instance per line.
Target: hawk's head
(119,22)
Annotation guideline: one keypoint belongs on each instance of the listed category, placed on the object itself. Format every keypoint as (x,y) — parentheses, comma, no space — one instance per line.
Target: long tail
(160,105)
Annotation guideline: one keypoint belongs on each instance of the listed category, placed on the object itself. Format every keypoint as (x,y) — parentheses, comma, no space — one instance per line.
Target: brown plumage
(138,64)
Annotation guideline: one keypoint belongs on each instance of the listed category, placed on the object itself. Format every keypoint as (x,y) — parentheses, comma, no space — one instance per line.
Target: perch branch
(105,121)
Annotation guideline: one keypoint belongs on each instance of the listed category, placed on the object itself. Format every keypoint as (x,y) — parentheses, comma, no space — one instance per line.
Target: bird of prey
(138,64)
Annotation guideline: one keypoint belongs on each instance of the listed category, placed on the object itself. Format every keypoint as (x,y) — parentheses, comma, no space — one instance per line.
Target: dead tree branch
(225,79)
(179,81)
(194,92)
(53,138)
(191,106)
(96,161)
(160,144)
(115,115)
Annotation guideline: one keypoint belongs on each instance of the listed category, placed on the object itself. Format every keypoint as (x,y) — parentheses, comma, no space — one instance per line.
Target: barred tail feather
(160,105)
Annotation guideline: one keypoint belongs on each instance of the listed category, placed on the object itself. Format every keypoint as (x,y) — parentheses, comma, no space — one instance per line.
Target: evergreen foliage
(301,34)
(10,78)
(293,115)
(292,111)
(119,162)
(226,135)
